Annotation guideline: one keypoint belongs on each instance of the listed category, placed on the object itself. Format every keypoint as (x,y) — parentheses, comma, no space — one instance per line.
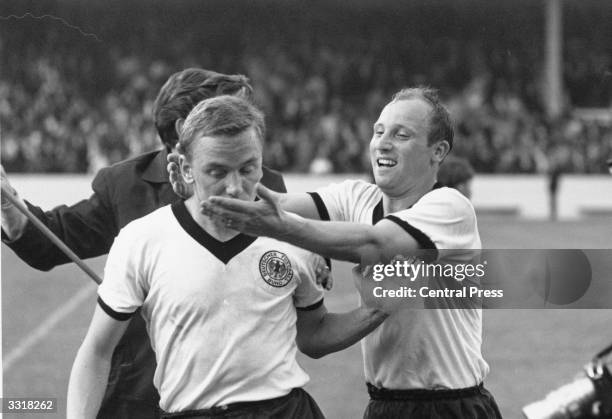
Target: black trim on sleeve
(378,212)
(321,208)
(323,215)
(114,314)
(312,306)
(422,239)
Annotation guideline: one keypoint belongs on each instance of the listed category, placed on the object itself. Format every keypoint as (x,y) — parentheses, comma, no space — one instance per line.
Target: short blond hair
(222,115)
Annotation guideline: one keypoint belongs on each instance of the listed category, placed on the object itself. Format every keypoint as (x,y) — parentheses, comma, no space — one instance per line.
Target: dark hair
(221,115)
(454,171)
(187,88)
(440,124)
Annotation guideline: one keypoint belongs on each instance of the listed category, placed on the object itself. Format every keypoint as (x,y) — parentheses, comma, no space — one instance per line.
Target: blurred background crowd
(76,94)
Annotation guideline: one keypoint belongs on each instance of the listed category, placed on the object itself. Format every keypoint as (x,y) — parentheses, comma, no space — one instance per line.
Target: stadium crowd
(77,106)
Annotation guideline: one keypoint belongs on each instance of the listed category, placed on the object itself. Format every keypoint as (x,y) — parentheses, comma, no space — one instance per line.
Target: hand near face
(179,186)
(256,218)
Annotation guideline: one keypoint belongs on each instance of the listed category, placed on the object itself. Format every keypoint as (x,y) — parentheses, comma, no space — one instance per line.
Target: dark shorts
(128,409)
(130,393)
(469,403)
(296,405)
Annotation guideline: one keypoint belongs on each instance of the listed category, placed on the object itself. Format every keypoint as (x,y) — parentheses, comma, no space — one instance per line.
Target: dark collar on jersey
(224,251)
(155,171)
(378,213)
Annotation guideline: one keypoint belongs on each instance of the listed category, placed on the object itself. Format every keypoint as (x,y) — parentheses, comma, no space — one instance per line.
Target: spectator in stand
(457,172)
(316,87)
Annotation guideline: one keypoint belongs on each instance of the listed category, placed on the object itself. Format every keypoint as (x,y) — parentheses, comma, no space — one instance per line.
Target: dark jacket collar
(156,169)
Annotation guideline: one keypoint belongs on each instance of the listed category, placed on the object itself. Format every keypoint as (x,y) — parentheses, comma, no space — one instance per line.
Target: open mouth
(384,162)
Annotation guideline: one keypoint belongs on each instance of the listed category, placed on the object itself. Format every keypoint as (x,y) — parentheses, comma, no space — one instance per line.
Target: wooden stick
(8,194)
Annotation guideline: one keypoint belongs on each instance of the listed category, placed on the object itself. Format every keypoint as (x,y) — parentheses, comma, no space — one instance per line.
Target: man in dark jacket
(123,192)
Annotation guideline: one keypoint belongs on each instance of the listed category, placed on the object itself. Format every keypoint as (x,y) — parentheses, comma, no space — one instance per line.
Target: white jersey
(418,349)
(221,316)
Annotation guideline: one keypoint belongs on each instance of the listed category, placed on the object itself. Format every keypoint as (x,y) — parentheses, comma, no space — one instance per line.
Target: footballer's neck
(212,226)
(393,202)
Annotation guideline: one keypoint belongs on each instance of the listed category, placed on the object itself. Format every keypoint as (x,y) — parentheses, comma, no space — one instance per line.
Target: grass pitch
(529,351)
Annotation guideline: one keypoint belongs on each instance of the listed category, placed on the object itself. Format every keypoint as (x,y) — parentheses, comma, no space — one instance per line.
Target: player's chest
(195,278)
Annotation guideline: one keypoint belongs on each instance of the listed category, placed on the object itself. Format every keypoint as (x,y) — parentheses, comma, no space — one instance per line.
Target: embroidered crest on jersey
(275,268)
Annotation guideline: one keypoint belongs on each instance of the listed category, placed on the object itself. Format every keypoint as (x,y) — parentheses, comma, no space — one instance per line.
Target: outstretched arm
(91,367)
(354,242)
(270,204)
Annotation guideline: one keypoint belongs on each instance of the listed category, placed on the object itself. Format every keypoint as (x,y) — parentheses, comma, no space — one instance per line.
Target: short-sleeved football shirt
(418,349)
(221,316)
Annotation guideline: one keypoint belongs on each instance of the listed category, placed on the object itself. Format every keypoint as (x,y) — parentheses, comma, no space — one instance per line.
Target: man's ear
(441,149)
(178,126)
(186,170)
